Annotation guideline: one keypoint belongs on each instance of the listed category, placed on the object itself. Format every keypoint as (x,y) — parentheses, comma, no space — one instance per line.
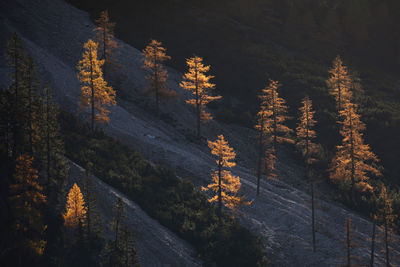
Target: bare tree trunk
(373,243)
(260,157)
(386,240)
(219,191)
(348,242)
(313,215)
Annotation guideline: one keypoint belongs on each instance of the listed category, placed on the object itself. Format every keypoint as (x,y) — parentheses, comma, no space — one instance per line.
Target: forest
(226,102)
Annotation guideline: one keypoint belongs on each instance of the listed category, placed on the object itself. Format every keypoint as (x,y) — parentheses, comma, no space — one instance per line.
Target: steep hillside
(54,33)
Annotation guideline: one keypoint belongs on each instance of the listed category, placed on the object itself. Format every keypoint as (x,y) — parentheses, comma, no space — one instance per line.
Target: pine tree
(27,201)
(95,93)
(130,256)
(224,184)
(198,83)
(75,214)
(154,58)
(305,136)
(353,162)
(339,83)
(17,63)
(106,40)
(271,119)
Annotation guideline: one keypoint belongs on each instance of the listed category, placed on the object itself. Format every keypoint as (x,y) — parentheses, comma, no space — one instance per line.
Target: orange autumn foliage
(75,213)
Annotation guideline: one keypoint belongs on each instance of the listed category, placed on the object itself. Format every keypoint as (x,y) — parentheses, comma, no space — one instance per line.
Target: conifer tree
(198,83)
(271,125)
(225,185)
(339,83)
(75,214)
(93,225)
(351,244)
(154,58)
(386,216)
(95,93)
(27,201)
(305,136)
(52,149)
(34,104)
(353,162)
(16,57)
(106,40)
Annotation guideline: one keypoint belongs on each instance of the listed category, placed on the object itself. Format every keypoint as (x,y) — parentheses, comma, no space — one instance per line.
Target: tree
(224,184)
(52,149)
(105,38)
(386,216)
(154,58)
(353,162)
(350,243)
(93,218)
(27,202)
(34,103)
(17,63)
(75,214)
(95,93)
(198,83)
(271,119)
(305,135)
(339,83)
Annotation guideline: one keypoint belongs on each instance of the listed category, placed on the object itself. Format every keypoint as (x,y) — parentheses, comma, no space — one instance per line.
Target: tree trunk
(260,158)
(197,104)
(219,191)
(92,87)
(386,240)
(348,241)
(373,243)
(313,215)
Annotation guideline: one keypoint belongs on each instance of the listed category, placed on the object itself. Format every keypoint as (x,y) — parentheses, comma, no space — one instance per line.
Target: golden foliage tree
(154,58)
(75,214)
(386,216)
(305,135)
(198,83)
(272,129)
(95,93)
(105,39)
(340,83)
(27,201)
(353,162)
(224,184)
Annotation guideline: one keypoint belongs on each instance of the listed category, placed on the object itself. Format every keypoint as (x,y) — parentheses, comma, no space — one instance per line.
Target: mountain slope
(54,33)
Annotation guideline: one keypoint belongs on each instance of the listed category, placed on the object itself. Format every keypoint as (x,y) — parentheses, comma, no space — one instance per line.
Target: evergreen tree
(34,104)
(106,40)
(224,184)
(198,83)
(93,218)
(95,93)
(154,58)
(17,63)
(339,83)
(354,160)
(27,201)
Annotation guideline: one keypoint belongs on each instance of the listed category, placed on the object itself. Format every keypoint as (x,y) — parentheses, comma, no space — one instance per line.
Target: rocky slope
(54,33)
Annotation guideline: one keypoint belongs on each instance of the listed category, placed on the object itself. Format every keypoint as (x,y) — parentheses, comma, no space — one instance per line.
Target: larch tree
(106,40)
(27,201)
(198,83)
(354,161)
(95,93)
(75,214)
(224,184)
(351,244)
(339,83)
(387,218)
(305,135)
(271,125)
(154,58)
